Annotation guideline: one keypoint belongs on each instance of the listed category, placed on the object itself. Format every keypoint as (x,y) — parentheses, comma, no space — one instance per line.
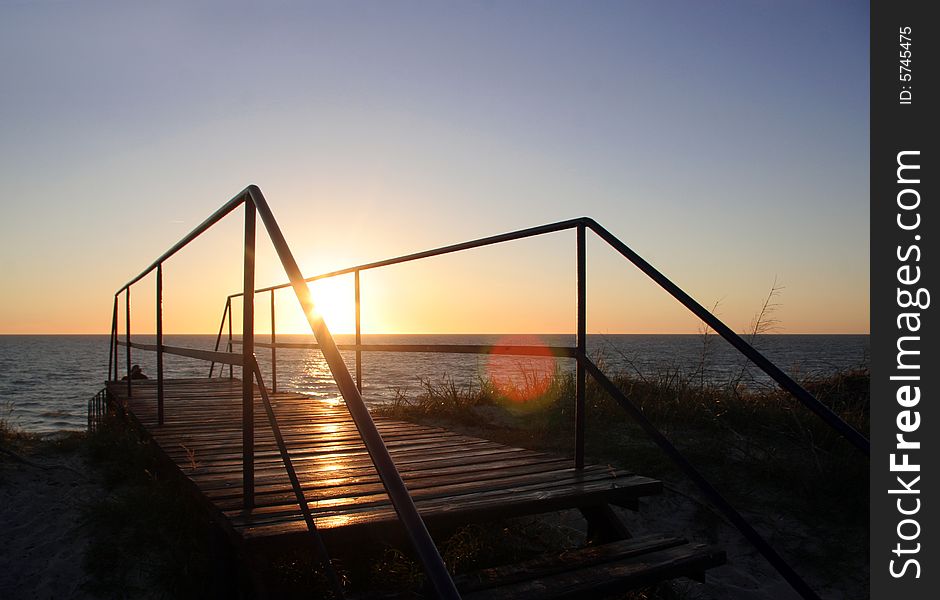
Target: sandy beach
(43,489)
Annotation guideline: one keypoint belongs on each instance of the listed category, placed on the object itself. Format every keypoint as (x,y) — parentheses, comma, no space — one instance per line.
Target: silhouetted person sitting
(136,373)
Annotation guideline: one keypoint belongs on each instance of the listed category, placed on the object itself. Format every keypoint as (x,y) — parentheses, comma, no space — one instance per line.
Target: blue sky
(727,142)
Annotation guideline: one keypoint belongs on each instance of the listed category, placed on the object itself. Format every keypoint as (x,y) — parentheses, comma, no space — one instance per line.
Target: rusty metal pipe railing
(765,365)
(786,382)
(499,349)
(713,495)
(214,218)
(479,243)
(218,338)
(160,344)
(358,332)
(424,546)
(404,505)
(248,355)
(579,411)
(273,348)
(228,347)
(225,358)
(585,365)
(351,390)
(319,546)
(112,356)
(127,336)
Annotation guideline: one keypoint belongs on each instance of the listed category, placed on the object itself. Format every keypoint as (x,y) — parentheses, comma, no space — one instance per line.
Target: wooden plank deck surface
(453,478)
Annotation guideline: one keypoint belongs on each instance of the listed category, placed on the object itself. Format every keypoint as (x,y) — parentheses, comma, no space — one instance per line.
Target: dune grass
(767,453)
(774,459)
(148,538)
(744,430)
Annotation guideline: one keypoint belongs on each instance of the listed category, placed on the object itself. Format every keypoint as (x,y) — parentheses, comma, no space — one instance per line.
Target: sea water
(46,380)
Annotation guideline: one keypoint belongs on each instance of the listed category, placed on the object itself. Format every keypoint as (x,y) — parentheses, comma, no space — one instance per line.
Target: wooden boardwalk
(453,478)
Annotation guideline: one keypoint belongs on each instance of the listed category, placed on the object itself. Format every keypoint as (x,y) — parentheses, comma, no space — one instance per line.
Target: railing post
(127,335)
(112,357)
(114,342)
(579,416)
(358,337)
(229,346)
(273,349)
(248,352)
(218,338)
(159,308)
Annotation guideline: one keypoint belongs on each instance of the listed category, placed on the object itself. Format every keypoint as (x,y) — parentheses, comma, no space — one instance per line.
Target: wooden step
(594,570)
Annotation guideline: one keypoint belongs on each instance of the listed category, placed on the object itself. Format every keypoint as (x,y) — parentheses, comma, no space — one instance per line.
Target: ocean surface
(45,381)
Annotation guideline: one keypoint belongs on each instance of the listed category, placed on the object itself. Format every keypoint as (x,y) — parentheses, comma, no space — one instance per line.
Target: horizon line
(267,334)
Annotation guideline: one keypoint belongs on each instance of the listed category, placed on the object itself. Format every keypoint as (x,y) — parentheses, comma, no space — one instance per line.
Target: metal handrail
(713,495)
(256,205)
(585,365)
(351,390)
(479,243)
(395,487)
(770,369)
(786,382)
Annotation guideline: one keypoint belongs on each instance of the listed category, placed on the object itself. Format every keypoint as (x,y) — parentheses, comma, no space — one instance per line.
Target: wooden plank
(492,503)
(452,477)
(567,560)
(605,578)
(451,486)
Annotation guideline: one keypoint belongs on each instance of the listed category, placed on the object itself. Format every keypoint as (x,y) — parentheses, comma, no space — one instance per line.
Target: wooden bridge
(273,467)
(454,479)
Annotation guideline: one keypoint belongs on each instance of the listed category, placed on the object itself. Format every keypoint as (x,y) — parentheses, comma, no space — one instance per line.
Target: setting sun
(333,299)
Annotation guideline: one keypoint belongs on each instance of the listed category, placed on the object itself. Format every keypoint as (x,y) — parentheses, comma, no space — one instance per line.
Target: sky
(725,142)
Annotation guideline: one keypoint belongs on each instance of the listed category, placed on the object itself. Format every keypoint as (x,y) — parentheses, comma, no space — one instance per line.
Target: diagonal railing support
(218,338)
(351,389)
(786,382)
(404,505)
(713,495)
(318,544)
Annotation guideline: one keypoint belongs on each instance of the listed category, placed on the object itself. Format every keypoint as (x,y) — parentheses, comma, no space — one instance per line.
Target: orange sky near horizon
(525,286)
(383,130)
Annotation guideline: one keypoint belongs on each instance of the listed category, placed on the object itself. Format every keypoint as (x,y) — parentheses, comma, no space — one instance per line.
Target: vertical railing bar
(127,336)
(273,349)
(159,309)
(218,339)
(320,546)
(358,337)
(229,347)
(112,359)
(579,413)
(115,343)
(248,352)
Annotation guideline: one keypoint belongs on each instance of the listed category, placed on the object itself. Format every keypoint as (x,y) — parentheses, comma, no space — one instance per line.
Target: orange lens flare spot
(521,378)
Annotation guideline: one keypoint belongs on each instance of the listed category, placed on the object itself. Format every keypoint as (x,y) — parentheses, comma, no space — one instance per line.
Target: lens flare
(521,378)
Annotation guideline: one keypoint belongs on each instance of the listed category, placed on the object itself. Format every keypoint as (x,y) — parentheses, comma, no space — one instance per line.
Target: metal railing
(256,205)
(584,364)
(97,410)
(351,390)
